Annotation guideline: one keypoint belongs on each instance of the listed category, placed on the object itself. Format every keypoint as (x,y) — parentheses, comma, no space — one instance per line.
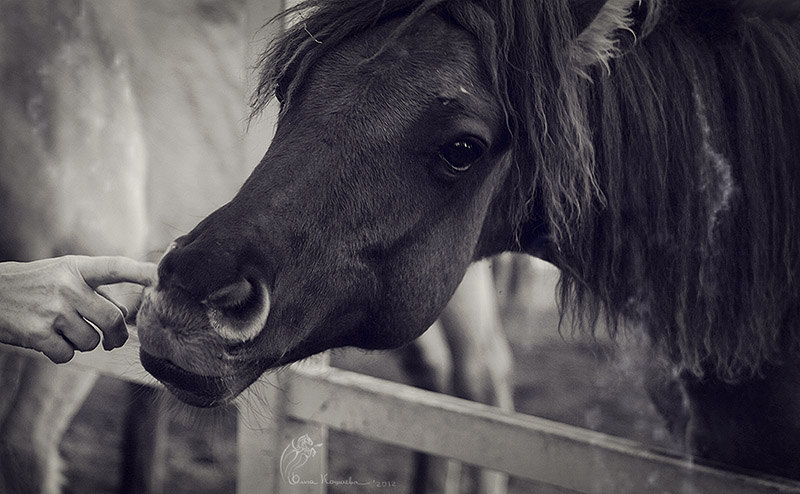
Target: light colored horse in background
(73,180)
(121,126)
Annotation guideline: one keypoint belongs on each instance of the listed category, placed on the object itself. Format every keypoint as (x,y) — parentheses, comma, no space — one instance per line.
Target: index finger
(106,270)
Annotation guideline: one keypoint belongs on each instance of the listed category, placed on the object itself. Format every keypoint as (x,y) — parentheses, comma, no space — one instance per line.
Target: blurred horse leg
(428,364)
(45,400)
(111,111)
(482,360)
(466,354)
(427,361)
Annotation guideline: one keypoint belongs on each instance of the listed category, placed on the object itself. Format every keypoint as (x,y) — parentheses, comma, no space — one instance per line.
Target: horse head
(395,164)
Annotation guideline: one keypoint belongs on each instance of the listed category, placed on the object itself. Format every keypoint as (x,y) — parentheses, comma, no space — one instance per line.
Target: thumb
(106,270)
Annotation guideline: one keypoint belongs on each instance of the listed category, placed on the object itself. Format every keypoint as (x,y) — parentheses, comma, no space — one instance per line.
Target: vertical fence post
(278,454)
(266,435)
(257,133)
(259,421)
(304,446)
(258,429)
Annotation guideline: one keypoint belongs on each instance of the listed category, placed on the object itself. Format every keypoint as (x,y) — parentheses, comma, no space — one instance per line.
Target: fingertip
(148,274)
(144,273)
(119,339)
(60,356)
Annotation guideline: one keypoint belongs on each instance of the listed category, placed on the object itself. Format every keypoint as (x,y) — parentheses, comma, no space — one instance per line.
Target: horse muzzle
(203,352)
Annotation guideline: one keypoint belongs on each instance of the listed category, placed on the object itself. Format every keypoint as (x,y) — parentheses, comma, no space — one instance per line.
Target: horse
(88,167)
(648,149)
(47,209)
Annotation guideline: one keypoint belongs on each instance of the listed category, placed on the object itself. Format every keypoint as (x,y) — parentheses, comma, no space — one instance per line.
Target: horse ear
(599,24)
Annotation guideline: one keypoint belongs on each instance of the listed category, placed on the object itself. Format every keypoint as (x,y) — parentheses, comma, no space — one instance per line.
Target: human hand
(52,305)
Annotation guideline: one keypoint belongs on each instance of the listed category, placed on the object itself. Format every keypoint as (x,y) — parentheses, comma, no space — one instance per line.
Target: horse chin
(194,399)
(191,388)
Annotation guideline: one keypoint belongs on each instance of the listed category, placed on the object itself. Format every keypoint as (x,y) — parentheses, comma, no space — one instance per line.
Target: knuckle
(71,264)
(59,321)
(39,338)
(114,267)
(64,286)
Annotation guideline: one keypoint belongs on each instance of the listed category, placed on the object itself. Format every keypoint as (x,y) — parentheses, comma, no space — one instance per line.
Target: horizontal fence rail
(521,445)
(401,415)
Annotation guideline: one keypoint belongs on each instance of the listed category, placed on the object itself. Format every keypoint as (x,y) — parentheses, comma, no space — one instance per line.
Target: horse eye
(460,155)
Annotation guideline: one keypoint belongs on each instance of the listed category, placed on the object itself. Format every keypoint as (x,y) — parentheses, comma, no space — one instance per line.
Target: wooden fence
(312,397)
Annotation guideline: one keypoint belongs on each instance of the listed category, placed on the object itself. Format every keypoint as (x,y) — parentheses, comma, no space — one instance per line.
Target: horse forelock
(524,50)
(318,26)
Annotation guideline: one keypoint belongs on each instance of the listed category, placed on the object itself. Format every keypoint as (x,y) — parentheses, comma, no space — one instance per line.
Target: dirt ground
(591,384)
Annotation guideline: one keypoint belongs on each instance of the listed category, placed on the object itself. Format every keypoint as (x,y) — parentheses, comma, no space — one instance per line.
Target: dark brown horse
(649,149)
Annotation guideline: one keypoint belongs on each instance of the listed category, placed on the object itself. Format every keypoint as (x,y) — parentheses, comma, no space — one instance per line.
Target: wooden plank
(524,446)
(259,421)
(257,439)
(257,133)
(270,441)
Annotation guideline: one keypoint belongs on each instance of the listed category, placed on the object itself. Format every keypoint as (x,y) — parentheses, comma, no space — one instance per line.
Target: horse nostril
(239,311)
(232,297)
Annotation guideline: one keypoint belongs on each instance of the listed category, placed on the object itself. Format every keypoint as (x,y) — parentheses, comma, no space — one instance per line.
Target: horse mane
(667,171)
(697,134)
